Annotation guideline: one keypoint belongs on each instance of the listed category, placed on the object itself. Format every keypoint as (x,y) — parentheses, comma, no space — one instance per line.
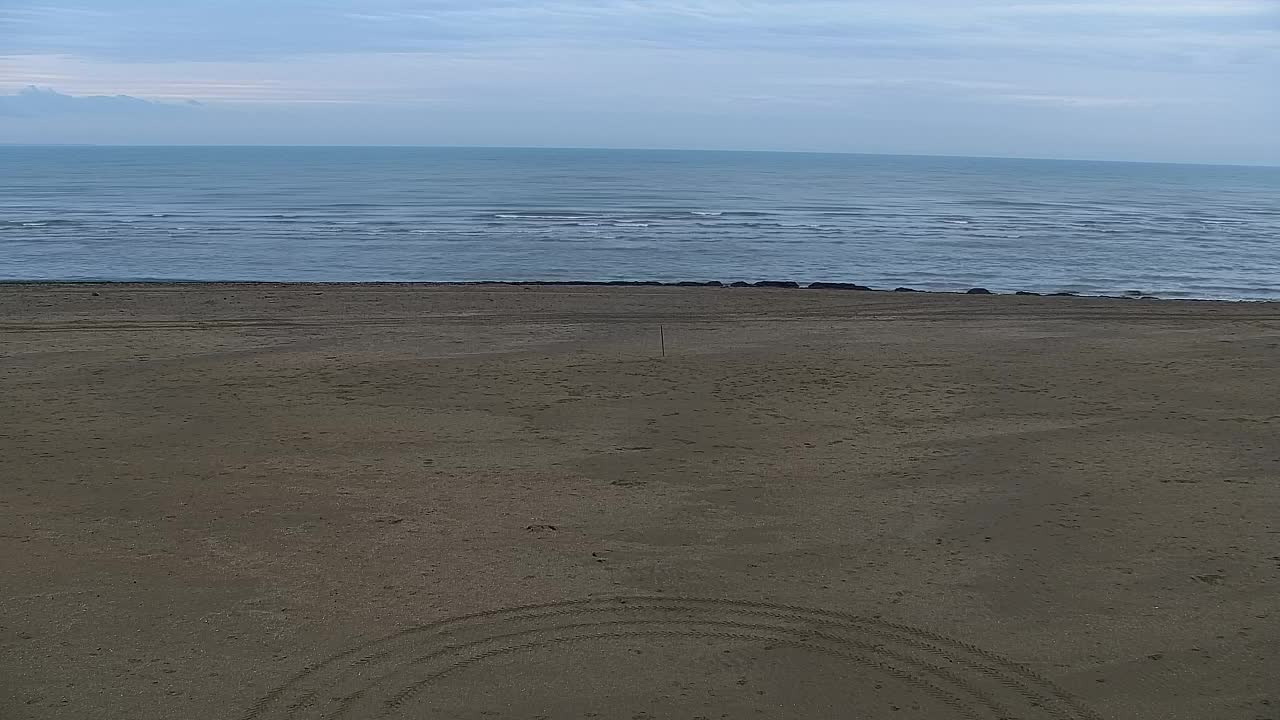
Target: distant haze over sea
(441,214)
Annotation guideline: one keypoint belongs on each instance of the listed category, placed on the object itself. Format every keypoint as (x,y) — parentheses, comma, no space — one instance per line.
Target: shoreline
(710,284)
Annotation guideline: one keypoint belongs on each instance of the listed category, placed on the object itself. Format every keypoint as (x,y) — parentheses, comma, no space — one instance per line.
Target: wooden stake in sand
(662,338)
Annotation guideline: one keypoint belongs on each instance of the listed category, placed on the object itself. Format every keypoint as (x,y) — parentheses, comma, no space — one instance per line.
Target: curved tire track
(380,677)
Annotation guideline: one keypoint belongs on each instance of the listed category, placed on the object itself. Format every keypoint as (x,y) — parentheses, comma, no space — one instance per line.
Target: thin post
(662,337)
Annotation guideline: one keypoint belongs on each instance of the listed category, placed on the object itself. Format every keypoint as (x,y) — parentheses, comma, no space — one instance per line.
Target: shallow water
(430,214)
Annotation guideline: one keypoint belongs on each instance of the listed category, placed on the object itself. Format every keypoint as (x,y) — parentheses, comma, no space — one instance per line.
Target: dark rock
(836,286)
(777,284)
(1148,297)
(1062,294)
(740,284)
(905,289)
(1024,292)
(690,283)
(978,291)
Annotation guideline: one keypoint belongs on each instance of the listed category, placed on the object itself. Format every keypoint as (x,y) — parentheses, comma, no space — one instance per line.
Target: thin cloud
(1076,101)
(148,30)
(1166,9)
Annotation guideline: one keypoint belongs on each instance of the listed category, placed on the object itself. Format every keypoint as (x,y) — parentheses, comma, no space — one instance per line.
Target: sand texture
(483,503)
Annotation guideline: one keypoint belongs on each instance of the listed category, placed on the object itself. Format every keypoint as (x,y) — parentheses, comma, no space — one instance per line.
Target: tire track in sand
(382,677)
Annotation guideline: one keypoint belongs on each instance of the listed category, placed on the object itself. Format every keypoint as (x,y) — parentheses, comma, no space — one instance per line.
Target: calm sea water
(421,214)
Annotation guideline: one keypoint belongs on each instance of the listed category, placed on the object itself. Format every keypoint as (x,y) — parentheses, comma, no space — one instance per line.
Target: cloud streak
(147,30)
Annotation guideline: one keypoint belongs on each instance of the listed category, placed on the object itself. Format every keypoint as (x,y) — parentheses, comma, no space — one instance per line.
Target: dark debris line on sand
(777,284)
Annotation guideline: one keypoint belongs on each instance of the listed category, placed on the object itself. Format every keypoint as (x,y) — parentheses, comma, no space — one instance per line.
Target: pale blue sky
(1176,80)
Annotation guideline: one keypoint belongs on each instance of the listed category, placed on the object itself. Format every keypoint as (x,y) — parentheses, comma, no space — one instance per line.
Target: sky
(1158,80)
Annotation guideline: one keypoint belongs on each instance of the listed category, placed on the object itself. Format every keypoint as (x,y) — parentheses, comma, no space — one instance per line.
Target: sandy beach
(258,502)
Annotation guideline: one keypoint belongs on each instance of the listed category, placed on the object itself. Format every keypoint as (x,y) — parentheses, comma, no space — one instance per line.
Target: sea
(336,214)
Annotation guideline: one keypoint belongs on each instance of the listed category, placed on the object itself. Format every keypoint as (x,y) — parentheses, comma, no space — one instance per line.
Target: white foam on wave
(513,216)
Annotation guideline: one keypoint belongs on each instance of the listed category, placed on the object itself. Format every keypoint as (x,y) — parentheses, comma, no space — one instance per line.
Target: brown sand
(261,501)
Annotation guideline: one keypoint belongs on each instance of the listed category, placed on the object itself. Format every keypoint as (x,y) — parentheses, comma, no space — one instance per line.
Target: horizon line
(636,149)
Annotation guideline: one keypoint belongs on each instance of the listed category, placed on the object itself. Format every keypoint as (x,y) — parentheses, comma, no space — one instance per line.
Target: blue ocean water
(434,214)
